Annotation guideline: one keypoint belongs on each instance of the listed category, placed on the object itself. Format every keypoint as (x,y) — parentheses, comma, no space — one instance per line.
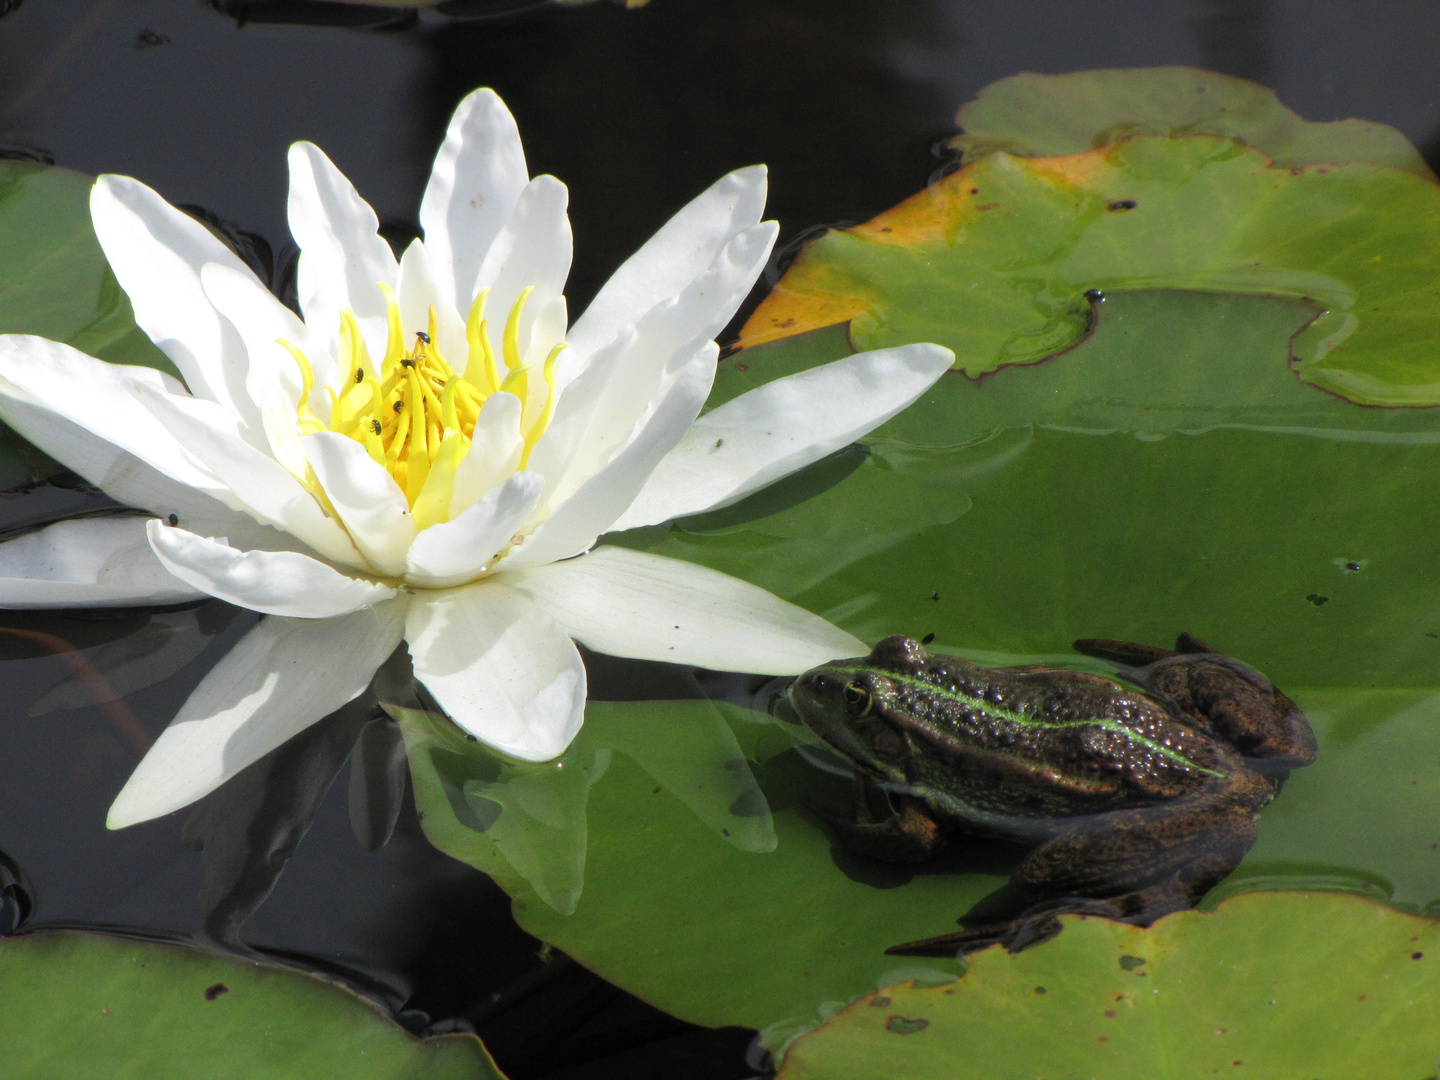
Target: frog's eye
(857,697)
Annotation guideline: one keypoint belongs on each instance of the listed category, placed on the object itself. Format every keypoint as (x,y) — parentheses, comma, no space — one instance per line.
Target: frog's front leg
(899,830)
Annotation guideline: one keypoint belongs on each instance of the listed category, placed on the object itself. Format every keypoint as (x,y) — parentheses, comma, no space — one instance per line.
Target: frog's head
(849,703)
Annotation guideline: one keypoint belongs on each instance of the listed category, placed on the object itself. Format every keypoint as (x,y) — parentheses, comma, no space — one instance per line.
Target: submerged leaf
(377,782)
(247,829)
(526,825)
(1032,115)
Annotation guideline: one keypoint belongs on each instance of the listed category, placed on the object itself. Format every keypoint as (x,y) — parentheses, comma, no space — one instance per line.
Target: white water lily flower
(428,456)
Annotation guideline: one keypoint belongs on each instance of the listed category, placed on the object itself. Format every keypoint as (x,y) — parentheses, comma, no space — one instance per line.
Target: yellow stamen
(353,350)
(433,505)
(395,338)
(415,414)
(308,421)
(516,382)
(480,370)
(543,420)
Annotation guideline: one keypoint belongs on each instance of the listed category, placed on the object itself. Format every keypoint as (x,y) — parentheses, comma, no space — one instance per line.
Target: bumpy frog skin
(1134,803)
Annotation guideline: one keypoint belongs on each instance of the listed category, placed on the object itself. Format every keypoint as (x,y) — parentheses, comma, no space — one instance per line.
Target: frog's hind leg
(1143,863)
(1137,655)
(1137,849)
(1122,652)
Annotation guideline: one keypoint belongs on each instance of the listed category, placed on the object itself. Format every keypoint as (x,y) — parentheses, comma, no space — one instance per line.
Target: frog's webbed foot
(1035,924)
(1041,922)
(905,834)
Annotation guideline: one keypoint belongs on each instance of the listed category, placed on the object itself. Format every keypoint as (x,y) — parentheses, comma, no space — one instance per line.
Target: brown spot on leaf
(903,1025)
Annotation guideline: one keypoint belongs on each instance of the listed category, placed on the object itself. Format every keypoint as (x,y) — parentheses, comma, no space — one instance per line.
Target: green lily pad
(54,280)
(1032,115)
(1271,984)
(86,1005)
(995,260)
(1170,473)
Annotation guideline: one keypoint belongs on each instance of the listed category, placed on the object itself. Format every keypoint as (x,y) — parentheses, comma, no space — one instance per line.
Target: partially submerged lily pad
(1271,984)
(86,1005)
(1002,260)
(782,939)
(771,935)
(1032,115)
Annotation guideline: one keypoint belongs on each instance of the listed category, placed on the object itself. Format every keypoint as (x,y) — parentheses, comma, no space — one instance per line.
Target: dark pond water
(636,111)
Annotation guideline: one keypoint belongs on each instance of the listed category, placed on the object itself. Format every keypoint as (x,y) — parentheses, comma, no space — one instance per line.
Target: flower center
(416,414)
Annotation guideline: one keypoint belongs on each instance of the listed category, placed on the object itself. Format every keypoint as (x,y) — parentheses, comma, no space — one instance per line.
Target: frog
(1133,799)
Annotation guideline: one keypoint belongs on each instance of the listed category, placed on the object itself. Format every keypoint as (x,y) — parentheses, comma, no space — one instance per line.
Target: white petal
(677,254)
(598,410)
(455,551)
(546,331)
(280,678)
(253,482)
(87,562)
(630,603)
(87,414)
(783,426)
(366,497)
(343,257)
(575,524)
(132,482)
(418,292)
(83,412)
(262,321)
(501,670)
(272,582)
(474,185)
(534,248)
(156,252)
(494,452)
(557,454)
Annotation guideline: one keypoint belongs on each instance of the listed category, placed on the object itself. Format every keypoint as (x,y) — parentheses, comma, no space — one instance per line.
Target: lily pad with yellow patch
(1006,260)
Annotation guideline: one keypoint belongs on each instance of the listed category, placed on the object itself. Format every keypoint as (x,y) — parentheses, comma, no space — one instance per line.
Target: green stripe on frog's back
(975,702)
